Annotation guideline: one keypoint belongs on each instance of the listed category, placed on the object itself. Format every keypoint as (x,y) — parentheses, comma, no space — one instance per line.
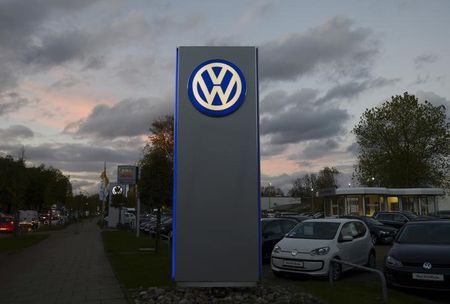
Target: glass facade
(369,204)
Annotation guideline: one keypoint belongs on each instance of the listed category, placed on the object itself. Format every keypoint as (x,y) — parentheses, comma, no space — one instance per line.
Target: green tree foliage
(327,178)
(271,191)
(156,182)
(304,186)
(301,187)
(31,188)
(404,143)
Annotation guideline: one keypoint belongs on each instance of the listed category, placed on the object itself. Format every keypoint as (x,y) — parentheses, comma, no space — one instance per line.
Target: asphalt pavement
(68,267)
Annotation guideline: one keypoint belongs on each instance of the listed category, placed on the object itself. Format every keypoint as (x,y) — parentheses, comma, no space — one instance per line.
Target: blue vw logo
(217,87)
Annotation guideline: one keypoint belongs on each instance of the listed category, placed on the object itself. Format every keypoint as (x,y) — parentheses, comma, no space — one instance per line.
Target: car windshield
(371,221)
(314,230)
(426,233)
(411,215)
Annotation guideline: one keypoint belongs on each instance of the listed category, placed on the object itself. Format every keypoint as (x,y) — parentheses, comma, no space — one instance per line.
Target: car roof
(269,219)
(332,220)
(438,221)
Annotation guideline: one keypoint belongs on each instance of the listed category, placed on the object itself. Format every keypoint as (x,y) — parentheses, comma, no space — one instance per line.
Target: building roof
(380,191)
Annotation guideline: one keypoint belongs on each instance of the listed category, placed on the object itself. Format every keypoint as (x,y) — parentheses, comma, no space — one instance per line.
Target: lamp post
(268,192)
(312,198)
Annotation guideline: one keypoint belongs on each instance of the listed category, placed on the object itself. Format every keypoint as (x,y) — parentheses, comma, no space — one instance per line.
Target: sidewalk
(68,267)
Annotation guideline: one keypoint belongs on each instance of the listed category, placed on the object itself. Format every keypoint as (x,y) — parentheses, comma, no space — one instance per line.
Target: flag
(103,183)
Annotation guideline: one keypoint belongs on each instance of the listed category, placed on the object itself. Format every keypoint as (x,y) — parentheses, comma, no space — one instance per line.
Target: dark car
(420,256)
(273,230)
(397,219)
(380,233)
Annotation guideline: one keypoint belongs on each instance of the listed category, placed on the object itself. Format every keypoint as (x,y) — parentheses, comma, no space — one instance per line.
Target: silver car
(309,247)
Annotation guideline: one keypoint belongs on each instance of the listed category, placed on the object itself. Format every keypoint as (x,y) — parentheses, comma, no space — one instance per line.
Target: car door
(345,248)
(271,234)
(361,244)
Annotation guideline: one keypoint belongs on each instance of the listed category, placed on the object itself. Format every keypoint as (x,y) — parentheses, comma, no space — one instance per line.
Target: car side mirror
(346,238)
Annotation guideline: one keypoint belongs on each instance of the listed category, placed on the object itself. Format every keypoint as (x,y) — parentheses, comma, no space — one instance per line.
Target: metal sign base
(216,284)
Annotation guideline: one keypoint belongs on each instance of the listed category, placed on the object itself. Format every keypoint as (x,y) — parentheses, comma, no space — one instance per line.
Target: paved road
(68,267)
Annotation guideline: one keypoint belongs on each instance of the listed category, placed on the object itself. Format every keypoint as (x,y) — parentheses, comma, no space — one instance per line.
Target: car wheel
(336,271)
(374,238)
(372,260)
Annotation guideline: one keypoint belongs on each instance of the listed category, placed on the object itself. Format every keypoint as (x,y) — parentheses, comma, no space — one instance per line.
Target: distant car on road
(6,223)
(380,233)
(309,247)
(273,230)
(420,256)
(397,219)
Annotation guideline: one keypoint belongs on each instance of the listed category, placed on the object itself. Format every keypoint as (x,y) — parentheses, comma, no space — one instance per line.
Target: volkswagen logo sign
(294,252)
(427,265)
(217,87)
(117,190)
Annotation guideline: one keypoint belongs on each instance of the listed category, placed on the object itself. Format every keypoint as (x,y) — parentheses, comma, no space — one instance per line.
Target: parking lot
(355,276)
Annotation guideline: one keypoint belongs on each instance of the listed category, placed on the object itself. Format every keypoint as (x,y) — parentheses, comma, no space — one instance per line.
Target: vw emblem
(294,252)
(217,87)
(117,190)
(427,265)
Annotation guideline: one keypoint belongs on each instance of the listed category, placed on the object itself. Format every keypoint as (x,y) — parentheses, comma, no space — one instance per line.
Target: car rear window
(315,230)
(5,219)
(425,233)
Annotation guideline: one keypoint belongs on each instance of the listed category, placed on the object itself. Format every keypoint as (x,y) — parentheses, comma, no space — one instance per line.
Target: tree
(327,178)
(271,191)
(156,182)
(403,143)
(301,187)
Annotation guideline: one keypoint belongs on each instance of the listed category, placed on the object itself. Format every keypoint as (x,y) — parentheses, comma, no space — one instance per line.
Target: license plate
(293,263)
(428,277)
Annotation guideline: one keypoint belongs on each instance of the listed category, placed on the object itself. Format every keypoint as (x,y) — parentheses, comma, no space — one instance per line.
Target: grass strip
(133,267)
(16,243)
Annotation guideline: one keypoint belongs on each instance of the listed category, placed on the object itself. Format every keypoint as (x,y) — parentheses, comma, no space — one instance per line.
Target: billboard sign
(127,175)
(216,240)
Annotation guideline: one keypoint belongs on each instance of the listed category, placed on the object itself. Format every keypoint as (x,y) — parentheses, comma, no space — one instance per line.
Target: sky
(81,81)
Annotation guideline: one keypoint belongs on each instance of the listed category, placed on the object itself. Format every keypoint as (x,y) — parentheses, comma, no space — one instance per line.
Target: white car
(309,246)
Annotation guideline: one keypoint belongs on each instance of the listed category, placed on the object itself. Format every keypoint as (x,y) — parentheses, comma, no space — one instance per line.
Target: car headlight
(276,249)
(320,251)
(393,261)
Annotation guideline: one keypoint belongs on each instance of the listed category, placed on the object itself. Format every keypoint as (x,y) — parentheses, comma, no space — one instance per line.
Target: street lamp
(268,192)
(312,198)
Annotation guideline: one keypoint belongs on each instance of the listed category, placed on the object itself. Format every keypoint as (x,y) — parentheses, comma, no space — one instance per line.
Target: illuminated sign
(127,175)
(217,87)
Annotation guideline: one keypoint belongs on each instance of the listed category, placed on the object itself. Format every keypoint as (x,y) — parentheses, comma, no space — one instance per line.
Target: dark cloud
(318,149)
(268,150)
(422,60)
(126,118)
(352,89)
(11,102)
(14,133)
(336,44)
(299,120)
(21,25)
(74,157)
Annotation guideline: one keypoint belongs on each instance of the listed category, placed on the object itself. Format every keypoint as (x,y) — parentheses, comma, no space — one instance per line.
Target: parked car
(6,223)
(397,219)
(28,219)
(309,247)
(420,256)
(380,233)
(273,230)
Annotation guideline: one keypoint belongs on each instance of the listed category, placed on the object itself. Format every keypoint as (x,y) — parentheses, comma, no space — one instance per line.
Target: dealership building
(368,200)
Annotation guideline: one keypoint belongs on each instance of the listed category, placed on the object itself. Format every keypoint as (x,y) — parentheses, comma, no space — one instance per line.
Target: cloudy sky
(80,81)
